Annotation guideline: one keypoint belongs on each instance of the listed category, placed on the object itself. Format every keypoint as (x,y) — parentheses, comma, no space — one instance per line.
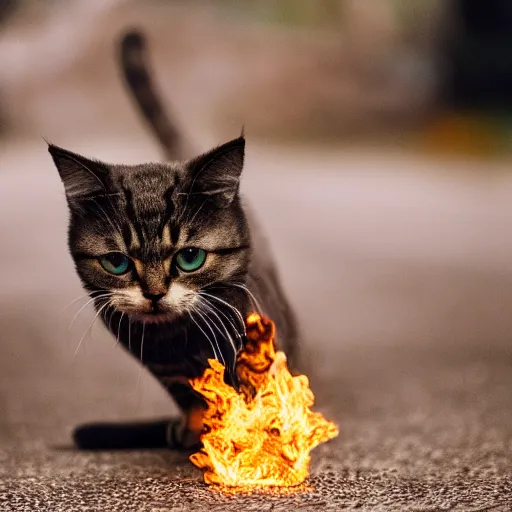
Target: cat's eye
(116,263)
(190,259)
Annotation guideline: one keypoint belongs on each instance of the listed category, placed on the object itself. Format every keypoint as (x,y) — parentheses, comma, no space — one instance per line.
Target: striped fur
(150,212)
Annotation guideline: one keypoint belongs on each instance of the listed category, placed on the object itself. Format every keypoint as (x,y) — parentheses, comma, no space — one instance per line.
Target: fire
(263,435)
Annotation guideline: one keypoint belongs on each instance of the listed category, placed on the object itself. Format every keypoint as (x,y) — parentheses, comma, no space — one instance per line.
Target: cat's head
(148,239)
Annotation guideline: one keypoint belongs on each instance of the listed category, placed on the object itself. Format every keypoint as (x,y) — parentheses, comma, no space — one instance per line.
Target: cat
(173,261)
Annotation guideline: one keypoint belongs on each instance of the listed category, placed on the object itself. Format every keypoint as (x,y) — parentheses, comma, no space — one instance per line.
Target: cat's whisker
(184,210)
(129,334)
(205,318)
(189,193)
(110,310)
(119,329)
(112,313)
(207,309)
(225,315)
(207,304)
(197,212)
(250,294)
(202,330)
(78,312)
(90,326)
(222,301)
(74,301)
(92,299)
(228,337)
(142,343)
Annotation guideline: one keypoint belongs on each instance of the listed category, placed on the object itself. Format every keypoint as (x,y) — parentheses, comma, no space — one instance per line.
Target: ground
(399,267)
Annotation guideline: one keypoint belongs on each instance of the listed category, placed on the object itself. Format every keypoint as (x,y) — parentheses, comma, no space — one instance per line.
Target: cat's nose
(154,297)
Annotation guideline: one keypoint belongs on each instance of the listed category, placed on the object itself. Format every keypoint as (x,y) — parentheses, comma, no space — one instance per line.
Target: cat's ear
(81,177)
(216,174)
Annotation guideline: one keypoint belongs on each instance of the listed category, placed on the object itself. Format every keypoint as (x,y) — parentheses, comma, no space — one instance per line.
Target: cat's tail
(137,75)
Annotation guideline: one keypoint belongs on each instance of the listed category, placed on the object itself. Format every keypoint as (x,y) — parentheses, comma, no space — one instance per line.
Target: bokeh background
(378,161)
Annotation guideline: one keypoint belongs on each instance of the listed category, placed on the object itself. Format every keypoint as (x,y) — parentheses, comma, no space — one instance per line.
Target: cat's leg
(184,433)
(180,433)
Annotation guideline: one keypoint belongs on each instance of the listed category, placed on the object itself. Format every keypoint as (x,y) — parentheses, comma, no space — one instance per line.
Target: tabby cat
(173,261)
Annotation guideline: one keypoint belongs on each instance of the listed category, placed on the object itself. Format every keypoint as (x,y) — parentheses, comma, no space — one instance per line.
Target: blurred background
(378,161)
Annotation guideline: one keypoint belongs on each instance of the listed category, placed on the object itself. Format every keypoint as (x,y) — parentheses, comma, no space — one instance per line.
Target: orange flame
(263,435)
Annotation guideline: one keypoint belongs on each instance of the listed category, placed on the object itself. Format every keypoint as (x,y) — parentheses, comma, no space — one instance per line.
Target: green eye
(116,263)
(190,259)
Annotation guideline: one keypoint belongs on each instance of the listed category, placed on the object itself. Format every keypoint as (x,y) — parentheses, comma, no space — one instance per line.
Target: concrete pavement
(400,270)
